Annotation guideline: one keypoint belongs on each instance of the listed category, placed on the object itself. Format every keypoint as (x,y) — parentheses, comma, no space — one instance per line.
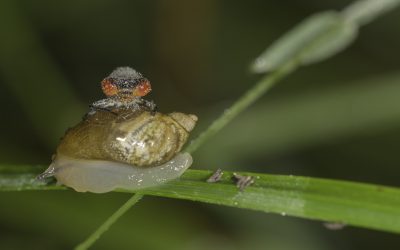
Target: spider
(124,89)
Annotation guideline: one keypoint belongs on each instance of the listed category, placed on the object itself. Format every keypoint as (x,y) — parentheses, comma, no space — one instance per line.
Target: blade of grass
(316,38)
(321,35)
(364,205)
(244,102)
(365,11)
(111,220)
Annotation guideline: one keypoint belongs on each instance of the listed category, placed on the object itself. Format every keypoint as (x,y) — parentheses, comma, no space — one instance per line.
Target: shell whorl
(138,138)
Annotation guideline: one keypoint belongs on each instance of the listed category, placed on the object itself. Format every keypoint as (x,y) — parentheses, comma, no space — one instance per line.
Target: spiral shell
(140,138)
(128,149)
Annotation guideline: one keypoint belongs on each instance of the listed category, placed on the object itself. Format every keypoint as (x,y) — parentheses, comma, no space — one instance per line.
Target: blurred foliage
(53,55)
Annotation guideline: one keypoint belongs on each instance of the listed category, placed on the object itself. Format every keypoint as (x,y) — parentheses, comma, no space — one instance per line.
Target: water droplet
(334,225)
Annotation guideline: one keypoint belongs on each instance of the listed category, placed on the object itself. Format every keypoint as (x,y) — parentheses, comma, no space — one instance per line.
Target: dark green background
(336,119)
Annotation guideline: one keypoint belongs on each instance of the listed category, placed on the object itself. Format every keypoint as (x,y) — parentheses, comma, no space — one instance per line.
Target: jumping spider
(124,89)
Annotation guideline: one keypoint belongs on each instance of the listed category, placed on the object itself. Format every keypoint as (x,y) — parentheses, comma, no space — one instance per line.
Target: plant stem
(244,102)
(111,220)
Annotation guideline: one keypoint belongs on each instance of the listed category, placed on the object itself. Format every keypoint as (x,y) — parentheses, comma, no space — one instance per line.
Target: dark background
(338,119)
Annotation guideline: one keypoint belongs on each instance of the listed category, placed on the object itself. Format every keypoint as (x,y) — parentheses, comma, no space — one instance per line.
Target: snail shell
(128,150)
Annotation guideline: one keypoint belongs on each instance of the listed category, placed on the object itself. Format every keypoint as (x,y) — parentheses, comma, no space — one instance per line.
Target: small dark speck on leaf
(242,181)
(216,176)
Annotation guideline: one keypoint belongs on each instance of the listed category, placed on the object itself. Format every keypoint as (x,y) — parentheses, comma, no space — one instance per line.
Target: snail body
(100,176)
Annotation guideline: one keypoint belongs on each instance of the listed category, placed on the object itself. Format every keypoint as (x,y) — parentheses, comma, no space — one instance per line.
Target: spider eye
(108,87)
(142,89)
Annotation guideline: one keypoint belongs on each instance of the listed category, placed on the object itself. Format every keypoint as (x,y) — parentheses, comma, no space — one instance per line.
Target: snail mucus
(122,142)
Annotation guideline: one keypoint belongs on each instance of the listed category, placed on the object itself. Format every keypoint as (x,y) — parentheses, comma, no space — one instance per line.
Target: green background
(336,119)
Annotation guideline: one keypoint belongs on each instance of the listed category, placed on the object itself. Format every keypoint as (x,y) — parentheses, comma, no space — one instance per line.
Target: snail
(123,144)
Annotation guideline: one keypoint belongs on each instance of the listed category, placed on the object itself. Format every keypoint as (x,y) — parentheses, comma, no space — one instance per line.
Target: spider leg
(101,105)
(150,105)
(93,109)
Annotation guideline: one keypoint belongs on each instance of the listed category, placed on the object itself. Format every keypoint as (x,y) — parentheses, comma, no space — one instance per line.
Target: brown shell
(138,138)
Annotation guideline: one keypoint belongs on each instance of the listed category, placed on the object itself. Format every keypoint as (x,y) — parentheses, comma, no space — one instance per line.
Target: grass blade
(364,11)
(365,205)
(244,102)
(318,37)
(321,35)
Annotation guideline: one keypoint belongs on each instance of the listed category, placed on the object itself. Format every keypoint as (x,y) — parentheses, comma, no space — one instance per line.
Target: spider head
(126,84)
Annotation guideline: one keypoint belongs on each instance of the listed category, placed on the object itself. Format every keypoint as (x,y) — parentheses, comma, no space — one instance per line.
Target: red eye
(142,89)
(108,87)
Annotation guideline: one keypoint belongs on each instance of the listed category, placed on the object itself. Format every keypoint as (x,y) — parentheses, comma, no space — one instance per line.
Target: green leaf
(317,38)
(365,11)
(364,205)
